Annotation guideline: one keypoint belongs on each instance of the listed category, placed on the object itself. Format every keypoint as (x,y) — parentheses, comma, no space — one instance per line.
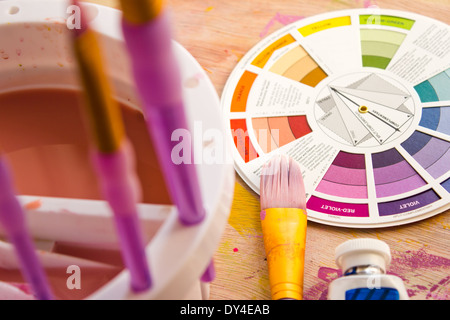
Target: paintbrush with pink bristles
(283,221)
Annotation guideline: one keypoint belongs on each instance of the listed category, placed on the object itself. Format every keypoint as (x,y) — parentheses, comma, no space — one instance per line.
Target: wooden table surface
(218,33)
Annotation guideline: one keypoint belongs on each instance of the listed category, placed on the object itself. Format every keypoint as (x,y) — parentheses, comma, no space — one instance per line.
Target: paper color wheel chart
(361,99)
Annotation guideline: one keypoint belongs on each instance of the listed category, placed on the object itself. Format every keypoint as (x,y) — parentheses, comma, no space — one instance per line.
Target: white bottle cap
(361,252)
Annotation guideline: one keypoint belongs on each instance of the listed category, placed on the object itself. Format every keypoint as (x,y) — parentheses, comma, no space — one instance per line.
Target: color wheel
(361,99)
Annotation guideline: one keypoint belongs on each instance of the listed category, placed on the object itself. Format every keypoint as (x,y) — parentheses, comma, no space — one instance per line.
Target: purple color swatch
(399,171)
(407,204)
(433,154)
(342,190)
(346,177)
(386,158)
(398,187)
(350,160)
(393,174)
(350,176)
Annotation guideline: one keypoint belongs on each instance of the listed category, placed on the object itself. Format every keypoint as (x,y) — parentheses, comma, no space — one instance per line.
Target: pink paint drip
(418,260)
(444,283)
(320,290)
(368,3)
(281,18)
(410,264)
(262,215)
(24,287)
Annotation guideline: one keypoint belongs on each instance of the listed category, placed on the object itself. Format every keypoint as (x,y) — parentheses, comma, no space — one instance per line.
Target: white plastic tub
(35,53)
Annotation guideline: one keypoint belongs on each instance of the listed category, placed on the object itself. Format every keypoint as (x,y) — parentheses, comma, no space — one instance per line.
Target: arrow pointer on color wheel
(364,109)
(390,125)
(343,95)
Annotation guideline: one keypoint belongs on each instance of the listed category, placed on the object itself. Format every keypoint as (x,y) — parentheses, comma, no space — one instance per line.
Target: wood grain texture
(218,33)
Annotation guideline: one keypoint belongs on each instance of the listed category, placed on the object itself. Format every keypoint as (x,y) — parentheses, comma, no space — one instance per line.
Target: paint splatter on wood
(280,18)
(410,266)
(245,215)
(33,205)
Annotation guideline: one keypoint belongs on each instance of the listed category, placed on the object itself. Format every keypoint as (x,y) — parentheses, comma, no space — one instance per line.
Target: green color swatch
(386,20)
(375,61)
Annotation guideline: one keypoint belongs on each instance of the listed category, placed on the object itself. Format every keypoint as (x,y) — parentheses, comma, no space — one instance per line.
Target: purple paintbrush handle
(12,218)
(155,68)
(158,81)
(210,273)
(120,187)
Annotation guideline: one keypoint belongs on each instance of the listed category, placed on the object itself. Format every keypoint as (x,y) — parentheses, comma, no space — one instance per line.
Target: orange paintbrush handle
(284,234)
(141,11)
(104,117)
(112,156)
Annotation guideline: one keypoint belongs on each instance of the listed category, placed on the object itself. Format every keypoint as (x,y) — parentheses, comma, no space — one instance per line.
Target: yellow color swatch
(324,24)
(264,56)
(286,62)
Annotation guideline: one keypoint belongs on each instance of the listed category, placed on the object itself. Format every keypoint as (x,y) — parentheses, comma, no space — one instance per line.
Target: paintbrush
(147,32)
(283,221)
(12,219)
(112,155)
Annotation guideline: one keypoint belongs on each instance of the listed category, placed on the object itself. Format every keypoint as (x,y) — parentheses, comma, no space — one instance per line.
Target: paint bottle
(363,263)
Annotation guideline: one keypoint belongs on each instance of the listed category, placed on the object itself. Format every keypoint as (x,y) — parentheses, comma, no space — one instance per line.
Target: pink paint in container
(42,136)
